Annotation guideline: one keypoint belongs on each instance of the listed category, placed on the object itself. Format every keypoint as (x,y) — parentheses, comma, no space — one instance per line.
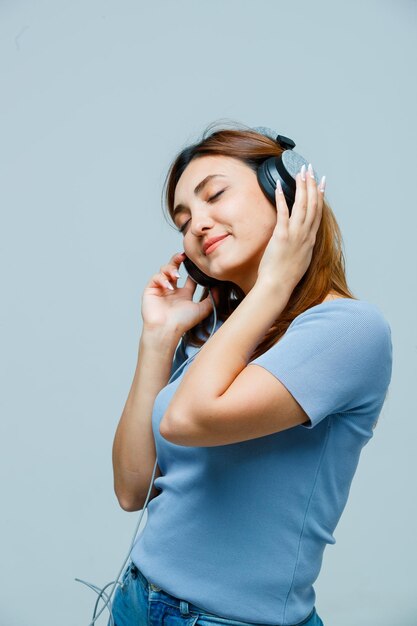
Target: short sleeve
(335,357)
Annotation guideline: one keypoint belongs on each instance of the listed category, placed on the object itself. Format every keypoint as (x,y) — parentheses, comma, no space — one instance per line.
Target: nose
(200,223)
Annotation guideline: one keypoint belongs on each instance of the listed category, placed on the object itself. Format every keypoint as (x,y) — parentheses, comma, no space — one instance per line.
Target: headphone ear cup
(199,276)
(285,168)
(271,170)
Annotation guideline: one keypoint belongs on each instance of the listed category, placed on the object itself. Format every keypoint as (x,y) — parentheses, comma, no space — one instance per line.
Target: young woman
(259,436)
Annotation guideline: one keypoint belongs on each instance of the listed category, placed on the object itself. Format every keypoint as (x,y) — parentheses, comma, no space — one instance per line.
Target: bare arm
(167,314)
(133,453)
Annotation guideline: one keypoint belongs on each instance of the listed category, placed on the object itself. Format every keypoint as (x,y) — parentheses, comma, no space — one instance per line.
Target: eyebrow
(180,208)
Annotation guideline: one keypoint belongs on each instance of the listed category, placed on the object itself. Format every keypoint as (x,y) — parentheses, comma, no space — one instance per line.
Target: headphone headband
(282,140)
(285,142)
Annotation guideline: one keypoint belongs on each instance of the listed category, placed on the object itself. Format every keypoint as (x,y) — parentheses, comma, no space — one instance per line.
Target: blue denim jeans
(141,603)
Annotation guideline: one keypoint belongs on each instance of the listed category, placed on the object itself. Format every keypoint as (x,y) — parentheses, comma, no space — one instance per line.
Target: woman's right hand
(163,308)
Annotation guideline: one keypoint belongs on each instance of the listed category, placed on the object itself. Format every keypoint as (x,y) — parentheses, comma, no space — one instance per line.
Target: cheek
(263,216)
(193,250)
(265,232)
(270,222)
(254,238)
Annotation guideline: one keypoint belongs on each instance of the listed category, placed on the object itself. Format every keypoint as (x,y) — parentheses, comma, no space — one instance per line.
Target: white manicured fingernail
(169,285)
(310,169)
(322,183)
(303,172)
(279,186)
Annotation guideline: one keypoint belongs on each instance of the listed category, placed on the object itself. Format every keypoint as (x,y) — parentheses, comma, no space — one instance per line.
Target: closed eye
(181,230)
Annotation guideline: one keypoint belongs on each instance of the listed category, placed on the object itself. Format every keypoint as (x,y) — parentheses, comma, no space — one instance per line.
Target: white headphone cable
(100,592)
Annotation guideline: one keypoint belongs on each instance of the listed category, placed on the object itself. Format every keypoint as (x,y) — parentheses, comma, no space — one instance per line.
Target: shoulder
(345,331)
(344,315)
(333,357)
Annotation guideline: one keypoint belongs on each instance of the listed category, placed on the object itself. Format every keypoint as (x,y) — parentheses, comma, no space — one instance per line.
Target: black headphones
(285,168)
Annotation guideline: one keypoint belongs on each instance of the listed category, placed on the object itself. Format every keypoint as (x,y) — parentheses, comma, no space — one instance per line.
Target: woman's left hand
(289,251)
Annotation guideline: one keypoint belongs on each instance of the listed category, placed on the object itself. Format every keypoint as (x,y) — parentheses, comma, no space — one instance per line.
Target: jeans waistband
(186,608)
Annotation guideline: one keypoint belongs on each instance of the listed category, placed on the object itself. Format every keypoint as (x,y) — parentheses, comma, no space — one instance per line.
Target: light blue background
(97,98)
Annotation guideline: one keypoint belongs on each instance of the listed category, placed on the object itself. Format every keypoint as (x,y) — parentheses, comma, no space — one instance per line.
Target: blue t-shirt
(240,529)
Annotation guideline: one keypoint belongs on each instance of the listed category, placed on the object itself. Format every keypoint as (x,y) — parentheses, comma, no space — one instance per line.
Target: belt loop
(184,608)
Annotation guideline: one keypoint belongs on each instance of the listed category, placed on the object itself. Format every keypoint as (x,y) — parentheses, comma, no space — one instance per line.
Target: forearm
(133,453)
(227,353)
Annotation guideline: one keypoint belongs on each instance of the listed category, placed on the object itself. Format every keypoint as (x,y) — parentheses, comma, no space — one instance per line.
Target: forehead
(201,167)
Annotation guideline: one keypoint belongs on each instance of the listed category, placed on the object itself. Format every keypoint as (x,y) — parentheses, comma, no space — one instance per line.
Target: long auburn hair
(327,267)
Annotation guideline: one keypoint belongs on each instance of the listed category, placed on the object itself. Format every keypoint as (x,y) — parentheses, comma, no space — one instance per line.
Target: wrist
(265,302)
(271,287)
(165,339)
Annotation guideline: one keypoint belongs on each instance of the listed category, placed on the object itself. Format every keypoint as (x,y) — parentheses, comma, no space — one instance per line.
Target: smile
(215,245)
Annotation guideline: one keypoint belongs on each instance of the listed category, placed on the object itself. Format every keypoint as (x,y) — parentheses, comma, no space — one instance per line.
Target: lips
(211,241)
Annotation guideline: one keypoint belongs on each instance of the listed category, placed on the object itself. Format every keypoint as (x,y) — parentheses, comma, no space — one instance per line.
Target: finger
(177,259)
(178,256)
(321,189)
(190,285)
(166,283)
(170,271)
(174,262)
(283,213)
(299,210)
(168,277)
(171,268)
(205,307)
(160,280)
(312,198)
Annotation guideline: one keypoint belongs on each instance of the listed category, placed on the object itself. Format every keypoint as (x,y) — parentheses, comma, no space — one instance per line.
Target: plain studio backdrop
(97,98)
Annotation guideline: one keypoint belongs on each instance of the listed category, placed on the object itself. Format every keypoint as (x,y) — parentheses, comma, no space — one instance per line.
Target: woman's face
(239,209)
